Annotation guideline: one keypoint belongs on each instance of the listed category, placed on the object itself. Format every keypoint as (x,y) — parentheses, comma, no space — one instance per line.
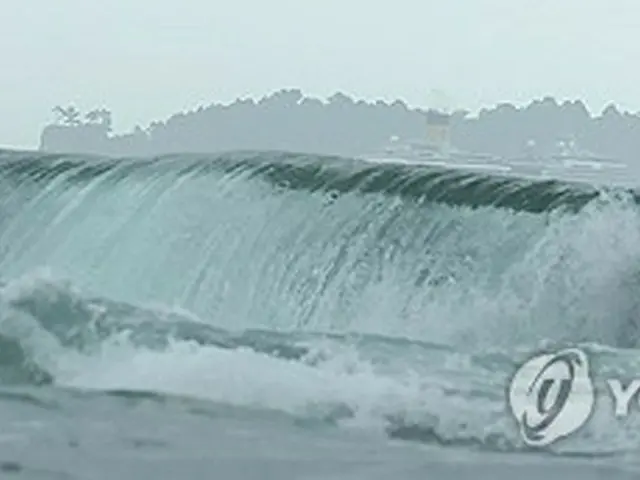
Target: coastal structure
(438,134)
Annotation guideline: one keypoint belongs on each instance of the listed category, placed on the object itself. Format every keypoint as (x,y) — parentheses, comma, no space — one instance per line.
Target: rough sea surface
(269,315)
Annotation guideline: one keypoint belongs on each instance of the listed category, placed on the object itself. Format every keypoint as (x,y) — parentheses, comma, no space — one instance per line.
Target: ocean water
(269,315)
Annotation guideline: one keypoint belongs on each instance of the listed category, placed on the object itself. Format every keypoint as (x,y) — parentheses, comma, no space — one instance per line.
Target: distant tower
(438,130)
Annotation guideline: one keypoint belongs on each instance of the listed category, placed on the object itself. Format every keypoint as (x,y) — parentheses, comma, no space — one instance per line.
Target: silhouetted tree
(67,115)
(92,116)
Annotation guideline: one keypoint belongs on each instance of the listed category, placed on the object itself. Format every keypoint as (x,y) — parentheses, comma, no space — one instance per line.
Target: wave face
(385,295)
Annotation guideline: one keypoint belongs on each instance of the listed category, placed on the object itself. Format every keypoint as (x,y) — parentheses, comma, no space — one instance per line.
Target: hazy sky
(146,59)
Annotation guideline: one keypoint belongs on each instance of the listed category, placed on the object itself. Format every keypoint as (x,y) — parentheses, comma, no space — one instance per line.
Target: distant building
(438,131)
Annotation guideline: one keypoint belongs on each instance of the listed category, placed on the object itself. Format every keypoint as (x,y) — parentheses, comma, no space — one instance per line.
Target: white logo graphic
(551,396)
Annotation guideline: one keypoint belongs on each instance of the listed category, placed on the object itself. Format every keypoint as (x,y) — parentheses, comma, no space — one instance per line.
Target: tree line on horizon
(71,116)
(289,120)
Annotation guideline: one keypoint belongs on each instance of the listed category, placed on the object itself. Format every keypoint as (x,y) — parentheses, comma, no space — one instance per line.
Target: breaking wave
(333,290)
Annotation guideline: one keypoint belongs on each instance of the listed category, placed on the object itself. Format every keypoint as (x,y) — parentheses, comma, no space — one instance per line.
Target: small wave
(52,308)
(312,378)
(409,390)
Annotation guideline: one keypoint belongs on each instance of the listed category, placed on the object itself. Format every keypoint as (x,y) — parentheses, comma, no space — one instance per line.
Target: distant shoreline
(289,121)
